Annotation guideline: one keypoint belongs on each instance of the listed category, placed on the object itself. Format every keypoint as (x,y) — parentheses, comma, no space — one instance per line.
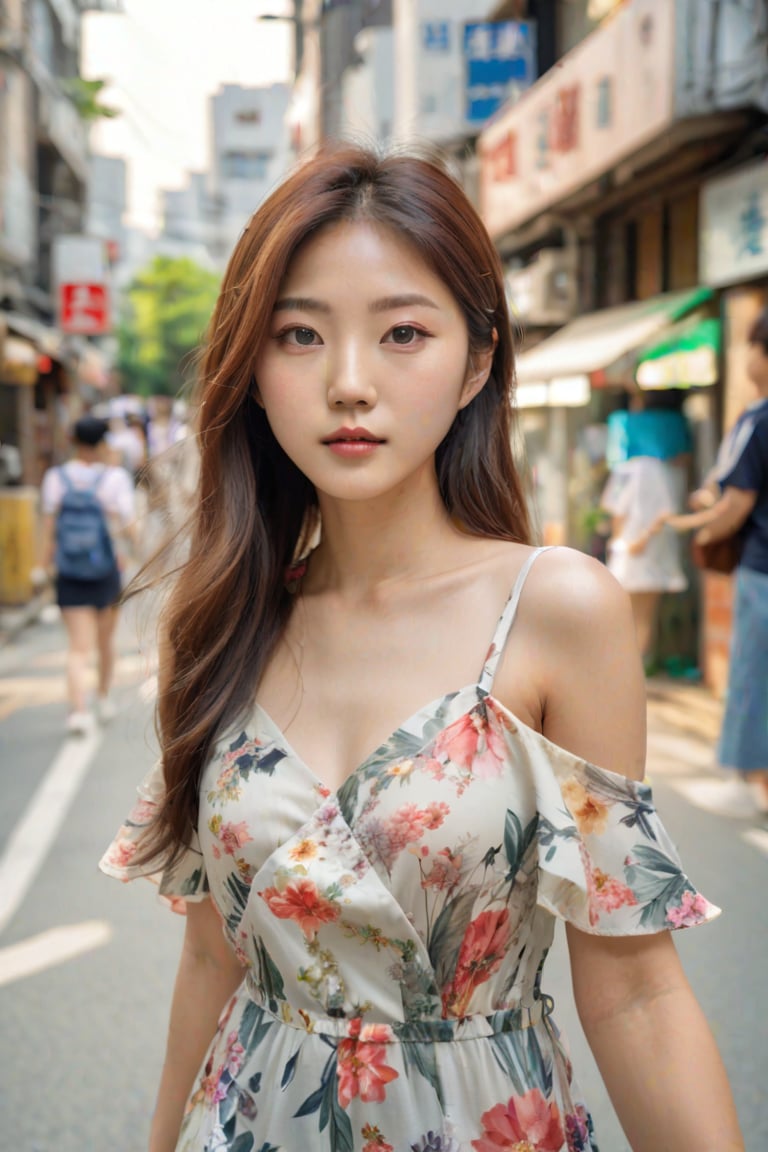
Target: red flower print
(445,872)
(606,893)
(374,1139)
(143,812)
(474,742)
(233,836)
(524,1124)
(233,1059)
(692,910)
(435,813)
(301,902)
(482,951)
(121,852)
(362,1071)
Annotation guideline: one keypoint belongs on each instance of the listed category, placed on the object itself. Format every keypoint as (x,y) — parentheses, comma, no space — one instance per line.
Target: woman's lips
(353,448)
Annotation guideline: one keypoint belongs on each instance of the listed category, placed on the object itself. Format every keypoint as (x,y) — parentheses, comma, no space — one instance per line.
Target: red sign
(84,309)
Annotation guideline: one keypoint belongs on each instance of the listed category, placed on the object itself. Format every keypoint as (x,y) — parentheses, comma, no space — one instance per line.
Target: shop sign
(80,272)
(733,241)
(436,36)
(602,102)
(500,65)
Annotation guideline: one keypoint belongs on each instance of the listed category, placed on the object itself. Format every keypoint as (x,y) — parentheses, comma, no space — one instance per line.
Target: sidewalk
(691,710)
(14,620)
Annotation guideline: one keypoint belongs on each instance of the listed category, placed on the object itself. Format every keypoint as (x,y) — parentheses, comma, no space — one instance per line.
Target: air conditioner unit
(543,293)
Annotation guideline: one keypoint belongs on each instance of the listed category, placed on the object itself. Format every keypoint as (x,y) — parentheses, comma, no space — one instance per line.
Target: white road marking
(758,838)
(54,946)
(31,839)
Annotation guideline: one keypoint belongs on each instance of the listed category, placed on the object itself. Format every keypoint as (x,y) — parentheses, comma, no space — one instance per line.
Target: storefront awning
(686,356)
(602,342)
(18,361)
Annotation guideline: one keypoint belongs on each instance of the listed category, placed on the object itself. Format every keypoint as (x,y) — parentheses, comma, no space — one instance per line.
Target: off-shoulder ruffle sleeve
(187,880)
(606,862)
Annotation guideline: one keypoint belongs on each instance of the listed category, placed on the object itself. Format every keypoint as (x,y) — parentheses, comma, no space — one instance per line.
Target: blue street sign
(436,36)
(500,61)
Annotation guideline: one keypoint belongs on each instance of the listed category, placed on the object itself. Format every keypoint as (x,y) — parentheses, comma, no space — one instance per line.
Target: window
(245,165)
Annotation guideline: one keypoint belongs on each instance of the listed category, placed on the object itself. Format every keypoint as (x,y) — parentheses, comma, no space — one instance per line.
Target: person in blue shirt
(742,506)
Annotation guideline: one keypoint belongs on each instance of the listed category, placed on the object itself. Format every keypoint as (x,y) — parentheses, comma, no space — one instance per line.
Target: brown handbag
(719,555)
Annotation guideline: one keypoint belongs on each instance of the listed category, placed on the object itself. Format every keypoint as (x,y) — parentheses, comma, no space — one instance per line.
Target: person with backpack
(88,520)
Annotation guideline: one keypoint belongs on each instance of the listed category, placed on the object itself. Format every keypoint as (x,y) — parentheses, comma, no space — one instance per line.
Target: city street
(87,965)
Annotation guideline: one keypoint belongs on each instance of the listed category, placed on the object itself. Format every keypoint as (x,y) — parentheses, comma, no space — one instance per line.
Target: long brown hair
(255,512)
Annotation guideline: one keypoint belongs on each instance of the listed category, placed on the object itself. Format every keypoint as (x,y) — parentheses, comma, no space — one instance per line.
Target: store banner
(733,237)
(607,98)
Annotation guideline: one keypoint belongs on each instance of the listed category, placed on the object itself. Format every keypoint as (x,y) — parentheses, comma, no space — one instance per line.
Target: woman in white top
(88,513)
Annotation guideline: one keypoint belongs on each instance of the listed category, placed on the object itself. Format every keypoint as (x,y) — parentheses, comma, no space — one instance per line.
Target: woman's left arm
(649,1036)
(652,1044)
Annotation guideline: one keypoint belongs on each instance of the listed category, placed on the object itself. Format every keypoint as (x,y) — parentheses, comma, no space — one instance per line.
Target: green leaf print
(243,1143)
(340,1126)
(346,797)
(504,1046)
(517,842)
(423,1058)
(657,882)
(447,935)
(289,1071)
(255,1025)
(311,1104)
(270,980)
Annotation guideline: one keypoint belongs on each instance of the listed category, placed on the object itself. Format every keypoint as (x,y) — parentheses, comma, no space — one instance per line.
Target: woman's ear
(478,370)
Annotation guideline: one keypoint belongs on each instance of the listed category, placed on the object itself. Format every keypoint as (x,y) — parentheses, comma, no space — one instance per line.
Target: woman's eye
(404,334)
(302,336)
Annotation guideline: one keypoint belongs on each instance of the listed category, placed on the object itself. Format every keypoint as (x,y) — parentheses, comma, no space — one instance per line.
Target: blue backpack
(84,548)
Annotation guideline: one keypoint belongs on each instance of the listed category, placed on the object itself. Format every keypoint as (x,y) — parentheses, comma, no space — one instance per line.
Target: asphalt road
(87,965)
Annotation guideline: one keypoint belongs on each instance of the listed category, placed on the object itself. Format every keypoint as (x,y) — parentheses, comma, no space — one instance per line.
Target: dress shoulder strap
(506,621)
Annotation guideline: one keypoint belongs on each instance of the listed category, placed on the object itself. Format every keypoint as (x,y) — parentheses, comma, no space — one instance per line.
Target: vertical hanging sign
(81,280)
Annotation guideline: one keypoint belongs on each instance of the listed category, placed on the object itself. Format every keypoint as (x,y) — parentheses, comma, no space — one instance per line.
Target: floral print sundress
(393,933)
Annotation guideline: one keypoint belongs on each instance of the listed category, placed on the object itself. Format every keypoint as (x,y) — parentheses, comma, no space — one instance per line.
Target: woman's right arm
(209,974)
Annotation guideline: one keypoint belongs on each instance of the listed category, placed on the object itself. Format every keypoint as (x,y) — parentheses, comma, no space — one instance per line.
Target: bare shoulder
(576,636)
(570,590)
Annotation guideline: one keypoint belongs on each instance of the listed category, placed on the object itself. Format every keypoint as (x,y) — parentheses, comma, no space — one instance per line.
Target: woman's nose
(349,379)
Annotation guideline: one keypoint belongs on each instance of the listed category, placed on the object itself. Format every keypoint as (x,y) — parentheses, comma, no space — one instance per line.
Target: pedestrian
(87,532)
(388,888)
(648,450)
(740,505)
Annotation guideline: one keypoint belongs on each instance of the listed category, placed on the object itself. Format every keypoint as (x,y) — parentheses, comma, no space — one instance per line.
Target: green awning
(686,356)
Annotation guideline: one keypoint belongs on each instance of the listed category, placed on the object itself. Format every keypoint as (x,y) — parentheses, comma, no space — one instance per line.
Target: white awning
(599,340)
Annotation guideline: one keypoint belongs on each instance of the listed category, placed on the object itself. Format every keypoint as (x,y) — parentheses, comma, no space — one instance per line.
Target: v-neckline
(431,707)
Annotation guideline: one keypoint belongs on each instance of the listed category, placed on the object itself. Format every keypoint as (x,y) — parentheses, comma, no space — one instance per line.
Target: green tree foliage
(85,95)
(169,305)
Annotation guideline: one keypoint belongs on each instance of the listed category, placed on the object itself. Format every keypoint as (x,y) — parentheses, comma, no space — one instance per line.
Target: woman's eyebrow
(300,304)
(384,304)
(389,303)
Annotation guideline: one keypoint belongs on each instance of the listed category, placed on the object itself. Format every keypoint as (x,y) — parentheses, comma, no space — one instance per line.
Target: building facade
(592,189)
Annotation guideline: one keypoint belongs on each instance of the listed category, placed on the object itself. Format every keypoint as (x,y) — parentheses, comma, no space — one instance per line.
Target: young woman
(88,598)
(370,898)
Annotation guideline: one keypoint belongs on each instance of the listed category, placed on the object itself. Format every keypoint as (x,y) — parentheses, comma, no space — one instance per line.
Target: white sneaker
(725,797)
(79,723)
(105,709)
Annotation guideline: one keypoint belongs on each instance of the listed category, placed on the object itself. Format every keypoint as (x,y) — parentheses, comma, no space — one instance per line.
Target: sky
(163,58)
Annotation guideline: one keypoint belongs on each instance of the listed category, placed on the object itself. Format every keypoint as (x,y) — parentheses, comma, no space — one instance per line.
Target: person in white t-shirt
(643,555)
(89,606)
